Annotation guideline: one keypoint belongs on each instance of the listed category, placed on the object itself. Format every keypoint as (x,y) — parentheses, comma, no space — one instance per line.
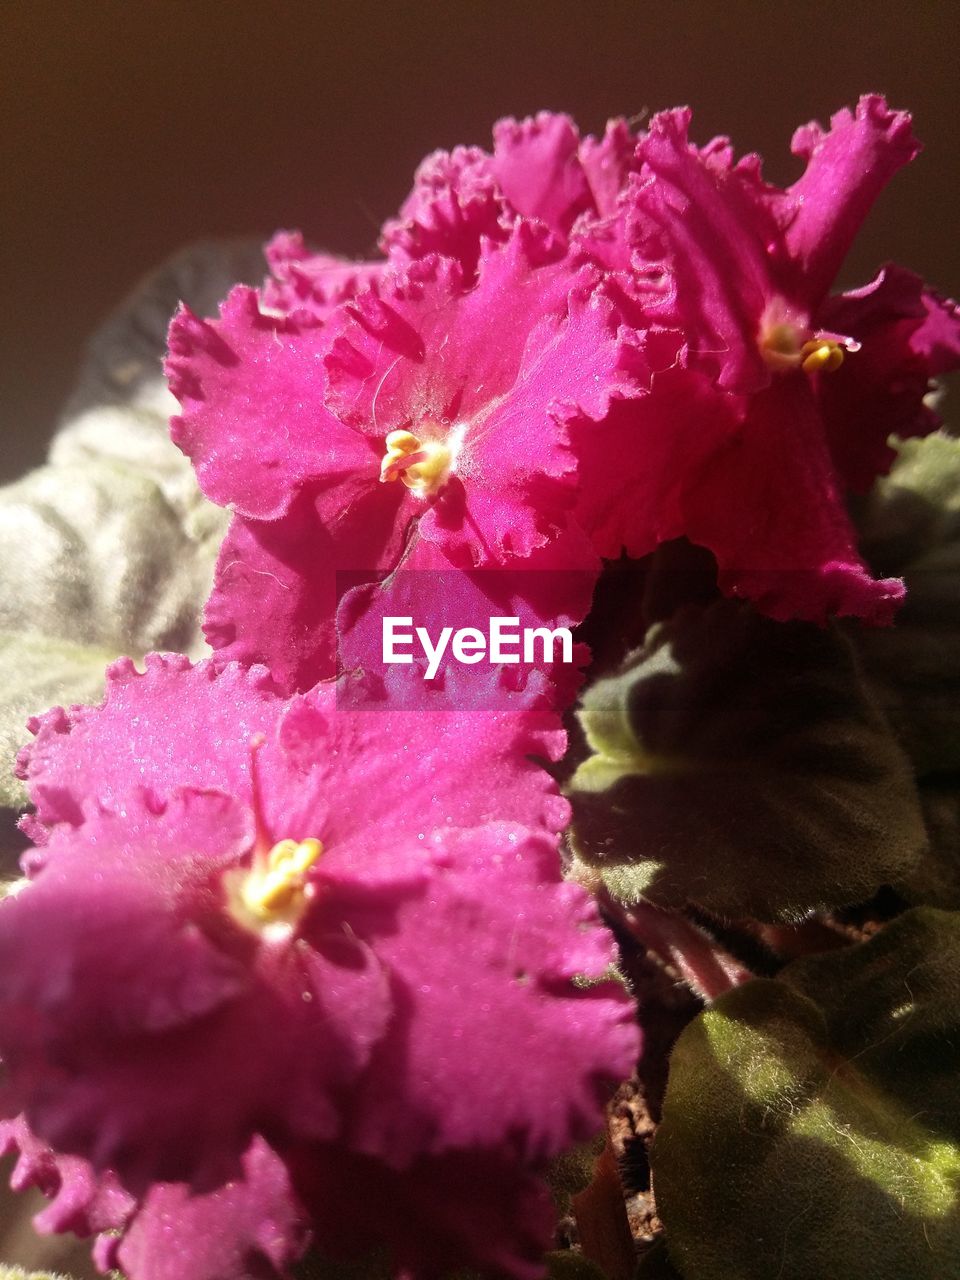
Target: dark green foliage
(742,763)
(811,1126)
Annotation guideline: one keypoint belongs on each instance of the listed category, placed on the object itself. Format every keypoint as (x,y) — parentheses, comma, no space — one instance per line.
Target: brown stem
(602,1224)
(701,962)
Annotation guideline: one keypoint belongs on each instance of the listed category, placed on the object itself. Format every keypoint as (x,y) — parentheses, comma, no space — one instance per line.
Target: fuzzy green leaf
(811,1125)
(108,550)
(570,1264)
(95,562)
(741,763)
(18,1273)
(910,526)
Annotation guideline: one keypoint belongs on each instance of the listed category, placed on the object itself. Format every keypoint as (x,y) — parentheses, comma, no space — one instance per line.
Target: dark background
(130,129)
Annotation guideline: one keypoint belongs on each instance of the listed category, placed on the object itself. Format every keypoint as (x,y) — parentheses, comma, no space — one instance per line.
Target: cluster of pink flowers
(317,973)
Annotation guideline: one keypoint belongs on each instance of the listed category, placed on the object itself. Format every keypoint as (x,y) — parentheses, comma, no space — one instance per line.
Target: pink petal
(847,168)
(308,284)
(553,587)
(907,336)
(768,506)
(455,205)
(117,1039)
(702,220)
(254,423)
(80,1200)
(502,368)
(607,163)
(538,169)
(252,1228)
(176,725)
(277,582)
(513,1002)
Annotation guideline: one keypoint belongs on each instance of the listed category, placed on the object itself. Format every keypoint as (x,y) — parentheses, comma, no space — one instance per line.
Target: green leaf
(570,1264)
(18,1273)
(95,562)
(37,671)
(742,763)
(811,1125)
(109,549)
(935,881)
(572,1171)
(910,526)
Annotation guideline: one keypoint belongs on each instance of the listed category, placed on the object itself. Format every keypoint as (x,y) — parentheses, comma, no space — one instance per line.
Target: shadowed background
(131,129)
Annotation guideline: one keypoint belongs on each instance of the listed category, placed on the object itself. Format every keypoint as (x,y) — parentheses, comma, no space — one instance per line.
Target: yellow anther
(821,355)
(276,889)
(422,465)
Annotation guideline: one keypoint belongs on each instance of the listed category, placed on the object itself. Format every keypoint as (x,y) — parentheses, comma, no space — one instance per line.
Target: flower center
(275,889)
(786,345)
(422,465)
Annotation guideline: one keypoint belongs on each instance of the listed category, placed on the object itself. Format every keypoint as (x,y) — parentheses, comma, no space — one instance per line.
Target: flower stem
(702,963)
(602,1225)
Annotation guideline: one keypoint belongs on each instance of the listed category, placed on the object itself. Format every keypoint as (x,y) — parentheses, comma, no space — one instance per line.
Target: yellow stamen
(821,355)
(276,889)
(422,465)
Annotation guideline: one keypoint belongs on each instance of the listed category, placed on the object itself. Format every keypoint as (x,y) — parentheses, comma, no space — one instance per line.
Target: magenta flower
(540,170)
(253,1228)
(421,412)
(316,930)
(780,398)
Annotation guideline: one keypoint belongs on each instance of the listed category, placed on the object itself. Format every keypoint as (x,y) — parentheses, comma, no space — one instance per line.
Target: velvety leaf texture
(812,1124)
(741,763)
(108,550)
(910,523)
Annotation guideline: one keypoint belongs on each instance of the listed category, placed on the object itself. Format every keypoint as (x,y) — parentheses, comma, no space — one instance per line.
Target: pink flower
(253,1228)
(540,170)
(422,412)
(780,397)
(327,943)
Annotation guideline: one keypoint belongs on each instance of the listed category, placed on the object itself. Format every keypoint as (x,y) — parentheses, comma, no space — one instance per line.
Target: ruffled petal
(191,725)
(496,372)
(551,588)
(80,1200)
(454,207)
(254,423)
(252,1228)
(309,285)
(537,165)
(514,1002)
(277,583)
(695,215)
(116,1040)
(768,505)
(847,168)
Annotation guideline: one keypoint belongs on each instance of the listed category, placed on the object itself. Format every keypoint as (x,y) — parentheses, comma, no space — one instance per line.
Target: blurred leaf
(37,671)
(570,1264)
(18,1273)
(109,549)
(935,881)
(910,526)
(811,1126)
(572,1171)
(742,763)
